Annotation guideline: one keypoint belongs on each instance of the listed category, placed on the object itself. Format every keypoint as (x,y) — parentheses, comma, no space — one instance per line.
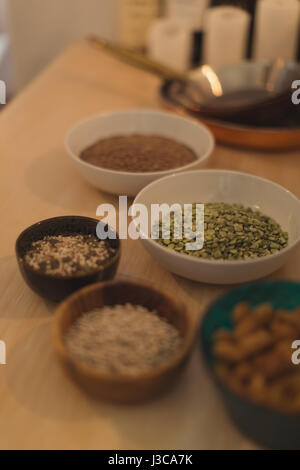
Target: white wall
(5,59)
(2,15)
(39,29)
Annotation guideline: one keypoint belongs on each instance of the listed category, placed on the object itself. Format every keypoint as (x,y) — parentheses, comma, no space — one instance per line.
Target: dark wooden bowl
(123,388)
(56,288)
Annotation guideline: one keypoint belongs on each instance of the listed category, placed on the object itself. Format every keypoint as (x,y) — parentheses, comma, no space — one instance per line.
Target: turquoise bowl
(269,428)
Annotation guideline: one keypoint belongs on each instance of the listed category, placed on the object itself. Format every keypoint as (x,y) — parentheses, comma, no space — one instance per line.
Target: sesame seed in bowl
(123,341)
(60,255)
(68,255)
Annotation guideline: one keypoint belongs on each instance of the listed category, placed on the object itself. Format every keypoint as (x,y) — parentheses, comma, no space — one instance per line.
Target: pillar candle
(135,18)
(226,34)
(191,11)
(170,42)
(276,29)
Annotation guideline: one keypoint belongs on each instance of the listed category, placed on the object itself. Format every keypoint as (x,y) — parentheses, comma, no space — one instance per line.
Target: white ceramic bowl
(85,133)
(231,187)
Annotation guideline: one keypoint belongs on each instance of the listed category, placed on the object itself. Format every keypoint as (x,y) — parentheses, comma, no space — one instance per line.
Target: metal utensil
(255,93)
(139,60)
(143,62)
(247,93)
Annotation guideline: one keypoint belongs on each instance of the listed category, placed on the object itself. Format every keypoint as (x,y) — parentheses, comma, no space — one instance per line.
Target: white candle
(135,18)
(226,33)
(170,42)
(191,11)
(276,29)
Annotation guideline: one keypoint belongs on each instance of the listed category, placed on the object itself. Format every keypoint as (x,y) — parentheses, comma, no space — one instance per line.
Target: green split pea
(231,232)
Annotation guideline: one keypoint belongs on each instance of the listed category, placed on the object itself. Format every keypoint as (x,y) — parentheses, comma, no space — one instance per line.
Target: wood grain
(39,407)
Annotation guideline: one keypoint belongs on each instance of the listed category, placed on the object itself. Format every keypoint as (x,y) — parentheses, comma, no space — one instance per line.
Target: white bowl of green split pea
(251,226)
(122,152)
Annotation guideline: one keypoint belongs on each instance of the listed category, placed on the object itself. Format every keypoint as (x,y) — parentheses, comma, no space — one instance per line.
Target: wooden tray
(285,136)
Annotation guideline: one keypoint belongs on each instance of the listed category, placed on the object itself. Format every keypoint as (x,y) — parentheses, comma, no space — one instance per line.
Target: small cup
(55,288)
(123,388)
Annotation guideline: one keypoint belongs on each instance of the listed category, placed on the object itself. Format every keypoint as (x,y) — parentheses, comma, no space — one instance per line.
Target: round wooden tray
(283,137)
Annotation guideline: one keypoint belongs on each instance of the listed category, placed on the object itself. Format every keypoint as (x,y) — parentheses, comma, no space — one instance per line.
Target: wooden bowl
(123,388)
(55,288)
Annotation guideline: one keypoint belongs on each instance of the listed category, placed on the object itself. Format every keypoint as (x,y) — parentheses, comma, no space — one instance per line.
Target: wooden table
(39,406)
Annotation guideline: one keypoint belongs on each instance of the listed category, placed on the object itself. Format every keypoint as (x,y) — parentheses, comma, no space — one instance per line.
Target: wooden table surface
(39,407)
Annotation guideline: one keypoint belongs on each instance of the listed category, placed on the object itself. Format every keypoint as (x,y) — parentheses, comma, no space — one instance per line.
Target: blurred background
(180,33)
(38,30)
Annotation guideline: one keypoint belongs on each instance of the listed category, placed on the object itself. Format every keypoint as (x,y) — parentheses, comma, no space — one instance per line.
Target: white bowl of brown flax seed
(157,144)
